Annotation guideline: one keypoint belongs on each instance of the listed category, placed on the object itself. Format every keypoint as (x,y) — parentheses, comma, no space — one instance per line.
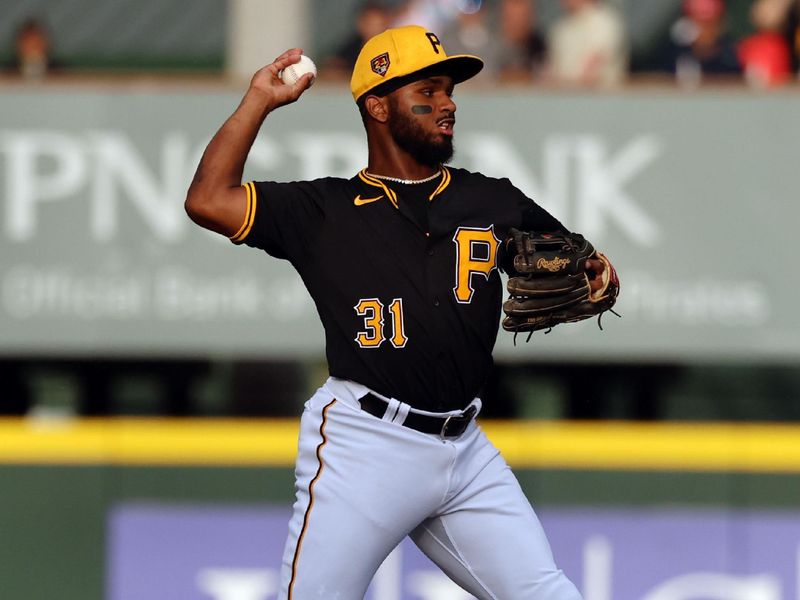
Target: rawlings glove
(549,283)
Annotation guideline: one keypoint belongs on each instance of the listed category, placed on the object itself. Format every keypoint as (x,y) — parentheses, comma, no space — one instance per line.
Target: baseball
(294,72)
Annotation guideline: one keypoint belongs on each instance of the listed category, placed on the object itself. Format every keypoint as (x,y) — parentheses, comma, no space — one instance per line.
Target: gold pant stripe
(307,515)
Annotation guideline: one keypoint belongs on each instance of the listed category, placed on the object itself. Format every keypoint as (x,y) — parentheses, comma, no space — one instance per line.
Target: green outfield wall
(60,480)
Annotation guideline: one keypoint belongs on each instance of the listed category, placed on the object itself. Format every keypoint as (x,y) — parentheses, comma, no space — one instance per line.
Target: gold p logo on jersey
(476,253)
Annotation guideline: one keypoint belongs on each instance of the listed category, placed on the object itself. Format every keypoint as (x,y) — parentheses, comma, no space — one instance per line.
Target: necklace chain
(406,181)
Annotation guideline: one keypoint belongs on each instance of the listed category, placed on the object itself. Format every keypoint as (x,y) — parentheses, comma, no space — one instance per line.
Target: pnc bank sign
(100,175)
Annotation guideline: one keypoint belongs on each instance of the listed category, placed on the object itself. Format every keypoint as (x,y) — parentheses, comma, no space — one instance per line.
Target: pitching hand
(267,82)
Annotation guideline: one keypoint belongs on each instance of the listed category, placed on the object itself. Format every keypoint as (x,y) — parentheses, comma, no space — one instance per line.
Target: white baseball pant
(363,484)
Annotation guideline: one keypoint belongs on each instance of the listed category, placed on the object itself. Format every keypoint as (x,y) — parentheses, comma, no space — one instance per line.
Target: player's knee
(554,586)
(548,585)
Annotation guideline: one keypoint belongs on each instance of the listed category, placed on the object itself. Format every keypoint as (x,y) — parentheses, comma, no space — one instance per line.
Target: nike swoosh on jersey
(359,201)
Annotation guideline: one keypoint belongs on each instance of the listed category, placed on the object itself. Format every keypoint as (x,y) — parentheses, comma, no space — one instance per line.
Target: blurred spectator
(699,44)
(32,50)
(588,46)
(792,33)
(372,19)
(471,33)
(765,55)
(433,15)
(523,50)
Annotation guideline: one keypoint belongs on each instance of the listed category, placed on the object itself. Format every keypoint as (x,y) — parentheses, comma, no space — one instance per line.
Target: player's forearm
(223,161)
(215,199)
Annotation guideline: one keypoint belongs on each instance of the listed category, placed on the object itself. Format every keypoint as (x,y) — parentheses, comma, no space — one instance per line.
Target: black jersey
(409,313)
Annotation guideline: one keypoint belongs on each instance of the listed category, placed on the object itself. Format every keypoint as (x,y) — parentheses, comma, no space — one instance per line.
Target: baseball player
(401,261)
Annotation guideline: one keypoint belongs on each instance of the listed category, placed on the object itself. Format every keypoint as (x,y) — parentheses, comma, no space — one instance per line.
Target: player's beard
(409,135)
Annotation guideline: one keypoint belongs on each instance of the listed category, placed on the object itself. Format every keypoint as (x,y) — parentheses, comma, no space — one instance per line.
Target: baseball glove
(549,283)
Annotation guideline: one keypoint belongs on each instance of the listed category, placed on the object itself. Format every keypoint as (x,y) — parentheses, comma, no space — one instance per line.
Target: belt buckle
(458,424)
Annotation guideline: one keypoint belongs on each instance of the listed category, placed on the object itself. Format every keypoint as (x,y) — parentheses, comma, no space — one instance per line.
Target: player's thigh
(331,563)
(359,490)
(490,541)
(333,547)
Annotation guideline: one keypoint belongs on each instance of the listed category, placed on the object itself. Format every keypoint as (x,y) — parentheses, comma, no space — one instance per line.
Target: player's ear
(377,108)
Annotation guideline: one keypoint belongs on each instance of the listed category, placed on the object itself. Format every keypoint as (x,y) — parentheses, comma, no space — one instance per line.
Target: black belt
(447,427)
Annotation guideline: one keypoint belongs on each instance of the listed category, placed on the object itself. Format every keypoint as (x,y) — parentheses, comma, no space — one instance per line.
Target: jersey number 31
(373,335)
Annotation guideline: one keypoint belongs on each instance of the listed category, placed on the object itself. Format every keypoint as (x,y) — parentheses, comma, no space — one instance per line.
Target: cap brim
(460,67)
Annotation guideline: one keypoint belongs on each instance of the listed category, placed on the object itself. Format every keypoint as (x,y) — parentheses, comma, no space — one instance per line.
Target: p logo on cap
(396,55)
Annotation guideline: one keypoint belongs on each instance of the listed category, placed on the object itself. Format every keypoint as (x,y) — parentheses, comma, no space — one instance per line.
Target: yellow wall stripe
(661,447)
(553,445)
(149,441)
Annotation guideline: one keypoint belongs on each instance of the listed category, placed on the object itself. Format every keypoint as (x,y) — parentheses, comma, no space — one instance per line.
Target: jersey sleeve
(281,218)
(533,217)
(528,216)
